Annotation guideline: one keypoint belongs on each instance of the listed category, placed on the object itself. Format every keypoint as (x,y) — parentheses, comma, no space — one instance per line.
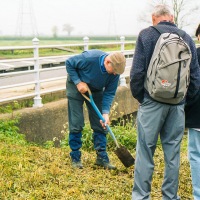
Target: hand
(107,120)
(82,87)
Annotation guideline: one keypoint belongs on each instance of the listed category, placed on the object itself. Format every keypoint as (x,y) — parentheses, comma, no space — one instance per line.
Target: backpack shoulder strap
(159,28)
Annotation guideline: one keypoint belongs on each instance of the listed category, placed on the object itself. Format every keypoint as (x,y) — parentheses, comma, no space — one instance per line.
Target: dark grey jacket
(192,108)
(144,49)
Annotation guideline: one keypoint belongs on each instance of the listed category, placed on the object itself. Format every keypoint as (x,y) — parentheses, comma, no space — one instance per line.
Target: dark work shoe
(106,165)
(77,165)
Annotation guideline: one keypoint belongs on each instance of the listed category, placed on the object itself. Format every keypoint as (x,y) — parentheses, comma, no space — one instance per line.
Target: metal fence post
(86,40)
(122,40)
(37,98)
(122,80)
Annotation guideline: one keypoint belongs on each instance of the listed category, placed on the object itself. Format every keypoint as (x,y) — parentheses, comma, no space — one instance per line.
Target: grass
(15,54)
(32,172)
(26,53)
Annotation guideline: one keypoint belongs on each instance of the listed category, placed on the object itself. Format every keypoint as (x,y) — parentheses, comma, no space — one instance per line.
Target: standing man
(192,122)
(156,118)
(100,72)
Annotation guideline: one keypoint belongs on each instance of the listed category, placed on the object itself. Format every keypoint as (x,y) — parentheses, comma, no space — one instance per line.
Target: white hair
(161,10)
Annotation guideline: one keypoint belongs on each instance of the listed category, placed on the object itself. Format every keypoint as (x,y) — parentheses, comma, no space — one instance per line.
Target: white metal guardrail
(38,76)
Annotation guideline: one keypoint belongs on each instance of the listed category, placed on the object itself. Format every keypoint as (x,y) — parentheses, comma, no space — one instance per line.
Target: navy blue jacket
(198,54)
(192,108)
(143,52)
(192,112)
(86,67)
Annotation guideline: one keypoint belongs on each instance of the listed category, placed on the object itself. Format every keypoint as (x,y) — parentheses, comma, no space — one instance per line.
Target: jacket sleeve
(109,94)
(194,73)
(72,65)
(137,73)
(198,54)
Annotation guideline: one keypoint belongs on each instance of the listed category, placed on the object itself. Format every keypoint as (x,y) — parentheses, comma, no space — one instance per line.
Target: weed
(126,135)
(9,132)
(29,171)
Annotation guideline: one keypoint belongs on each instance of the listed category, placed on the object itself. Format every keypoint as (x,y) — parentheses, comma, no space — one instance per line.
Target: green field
(9,41)
(18,41)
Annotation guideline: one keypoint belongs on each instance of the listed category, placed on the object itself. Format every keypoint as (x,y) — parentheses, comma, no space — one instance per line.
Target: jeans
(99,140)
(194,158)
(75,144)
(76,106)
(153,119)
(76,123)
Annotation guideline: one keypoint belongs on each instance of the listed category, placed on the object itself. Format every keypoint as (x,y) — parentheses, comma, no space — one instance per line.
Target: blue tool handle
(101,117)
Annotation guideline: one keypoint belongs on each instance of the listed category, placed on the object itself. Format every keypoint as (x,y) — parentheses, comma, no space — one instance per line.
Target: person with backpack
(192,122)
(161,79)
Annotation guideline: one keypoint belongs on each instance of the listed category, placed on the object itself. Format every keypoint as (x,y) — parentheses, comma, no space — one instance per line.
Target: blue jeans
(153,119)
(194,158)
(99,140)
(76,123)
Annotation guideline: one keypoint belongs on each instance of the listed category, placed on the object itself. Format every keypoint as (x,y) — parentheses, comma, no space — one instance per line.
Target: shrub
(9,132)
(125,133)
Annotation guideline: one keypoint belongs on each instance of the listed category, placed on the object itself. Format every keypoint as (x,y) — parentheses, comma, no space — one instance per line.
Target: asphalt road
(51,85)
(54,73)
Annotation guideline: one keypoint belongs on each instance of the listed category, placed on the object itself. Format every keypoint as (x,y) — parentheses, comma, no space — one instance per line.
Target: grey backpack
(168,73)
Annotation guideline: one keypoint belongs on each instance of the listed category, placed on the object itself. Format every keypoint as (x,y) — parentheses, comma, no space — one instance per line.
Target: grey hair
(161,10)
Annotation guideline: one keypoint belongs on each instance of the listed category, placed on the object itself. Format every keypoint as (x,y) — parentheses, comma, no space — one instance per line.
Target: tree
(183,16)
(184,12)
(68,28)
(55,31)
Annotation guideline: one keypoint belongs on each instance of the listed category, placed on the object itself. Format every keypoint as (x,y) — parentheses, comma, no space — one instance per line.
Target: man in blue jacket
(100,72)
(156,118)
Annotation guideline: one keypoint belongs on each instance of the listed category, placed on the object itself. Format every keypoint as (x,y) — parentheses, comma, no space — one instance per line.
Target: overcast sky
(88,17)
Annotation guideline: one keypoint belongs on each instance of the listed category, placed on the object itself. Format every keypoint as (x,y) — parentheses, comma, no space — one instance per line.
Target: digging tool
(122,153)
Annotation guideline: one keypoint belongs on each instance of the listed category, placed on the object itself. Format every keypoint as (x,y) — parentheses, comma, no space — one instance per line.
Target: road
(53,73)
(52,85)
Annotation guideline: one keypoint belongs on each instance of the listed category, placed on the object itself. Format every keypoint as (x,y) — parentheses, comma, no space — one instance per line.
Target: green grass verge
(32,172)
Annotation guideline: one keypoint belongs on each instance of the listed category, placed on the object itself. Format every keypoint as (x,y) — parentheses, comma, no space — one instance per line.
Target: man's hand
(107,120)
(82,87)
